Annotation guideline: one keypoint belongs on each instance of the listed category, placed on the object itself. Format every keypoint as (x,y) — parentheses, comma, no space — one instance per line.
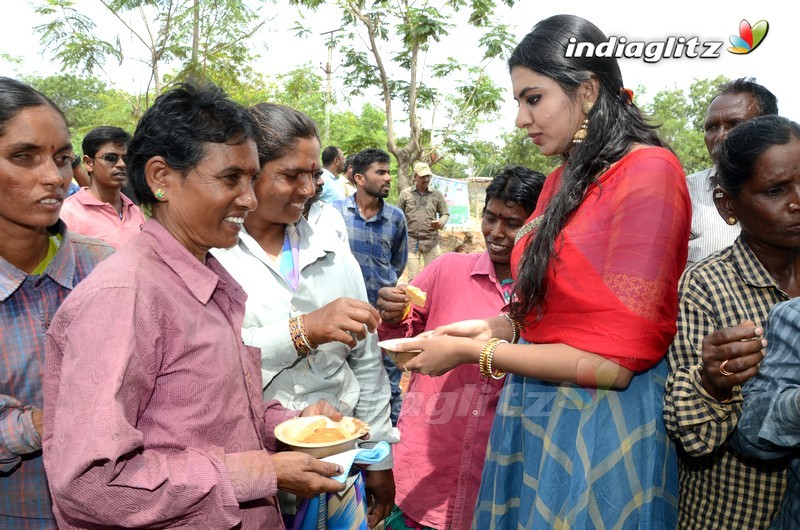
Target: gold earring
(160,194)
(580,134)
(731,220)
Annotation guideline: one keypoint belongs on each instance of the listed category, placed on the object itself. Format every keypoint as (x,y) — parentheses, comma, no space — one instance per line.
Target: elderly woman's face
(35,169)
(286,184)
(768,207)
(206,208)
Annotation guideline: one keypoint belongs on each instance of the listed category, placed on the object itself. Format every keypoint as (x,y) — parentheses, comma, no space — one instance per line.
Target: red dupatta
(613,284)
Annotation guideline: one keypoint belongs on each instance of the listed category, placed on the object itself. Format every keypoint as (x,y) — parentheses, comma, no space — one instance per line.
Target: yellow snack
(416,295)
(324,434)
(310,429)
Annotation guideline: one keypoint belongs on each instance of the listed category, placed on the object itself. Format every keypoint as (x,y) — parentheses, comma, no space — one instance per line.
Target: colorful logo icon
(749,37)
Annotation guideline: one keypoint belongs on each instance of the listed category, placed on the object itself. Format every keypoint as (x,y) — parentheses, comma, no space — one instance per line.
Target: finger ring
(722,369)
(404,368)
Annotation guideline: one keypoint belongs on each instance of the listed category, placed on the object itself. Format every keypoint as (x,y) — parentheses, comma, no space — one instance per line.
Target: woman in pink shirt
(445,421)
(153,409)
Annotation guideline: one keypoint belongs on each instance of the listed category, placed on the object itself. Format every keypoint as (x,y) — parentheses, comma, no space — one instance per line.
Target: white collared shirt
(354,381)
(710,232)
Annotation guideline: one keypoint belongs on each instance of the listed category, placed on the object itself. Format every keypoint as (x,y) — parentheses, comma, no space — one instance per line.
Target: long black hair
(615,124)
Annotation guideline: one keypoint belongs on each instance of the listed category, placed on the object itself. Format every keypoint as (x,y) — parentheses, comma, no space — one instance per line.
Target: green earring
(160,194)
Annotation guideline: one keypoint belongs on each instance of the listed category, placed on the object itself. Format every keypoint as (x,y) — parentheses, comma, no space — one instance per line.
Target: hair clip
(626,95)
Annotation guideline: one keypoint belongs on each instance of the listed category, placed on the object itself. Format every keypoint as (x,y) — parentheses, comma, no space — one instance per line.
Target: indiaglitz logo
(672,47)
(650,52)
(749,37)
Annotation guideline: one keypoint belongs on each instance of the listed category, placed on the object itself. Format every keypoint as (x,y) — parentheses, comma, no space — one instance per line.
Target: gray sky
(773,63)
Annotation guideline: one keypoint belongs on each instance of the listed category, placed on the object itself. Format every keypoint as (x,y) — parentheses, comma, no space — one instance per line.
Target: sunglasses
(113,158)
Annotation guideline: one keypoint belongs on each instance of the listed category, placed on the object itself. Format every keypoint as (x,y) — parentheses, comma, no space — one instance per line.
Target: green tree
(681,115)
(302,89)
(206,38)
(518,150)
(87,103)
(415,26)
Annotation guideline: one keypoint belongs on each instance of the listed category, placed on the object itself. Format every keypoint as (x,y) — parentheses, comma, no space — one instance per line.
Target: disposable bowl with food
(292,431)
(398,358)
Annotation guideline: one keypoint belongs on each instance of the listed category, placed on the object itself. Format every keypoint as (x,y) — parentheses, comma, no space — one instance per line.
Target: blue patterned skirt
(563,456)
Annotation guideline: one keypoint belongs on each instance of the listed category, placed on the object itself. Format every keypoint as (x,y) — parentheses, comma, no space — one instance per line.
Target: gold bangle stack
(516,328)
(485,359)
(297,330)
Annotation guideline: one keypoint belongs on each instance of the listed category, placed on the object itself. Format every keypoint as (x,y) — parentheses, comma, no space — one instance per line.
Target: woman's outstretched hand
(438,354)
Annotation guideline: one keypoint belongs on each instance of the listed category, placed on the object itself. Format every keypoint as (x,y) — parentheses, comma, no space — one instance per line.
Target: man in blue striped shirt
(378,236)
(377,230)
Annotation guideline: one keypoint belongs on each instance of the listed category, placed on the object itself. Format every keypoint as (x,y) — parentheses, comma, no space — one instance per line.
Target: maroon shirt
(445,421)
(149,390)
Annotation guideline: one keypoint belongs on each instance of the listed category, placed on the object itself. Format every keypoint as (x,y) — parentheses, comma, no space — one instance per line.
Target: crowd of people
(623,354)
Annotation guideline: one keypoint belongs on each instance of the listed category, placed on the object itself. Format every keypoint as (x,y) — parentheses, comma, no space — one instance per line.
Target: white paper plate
(390,344)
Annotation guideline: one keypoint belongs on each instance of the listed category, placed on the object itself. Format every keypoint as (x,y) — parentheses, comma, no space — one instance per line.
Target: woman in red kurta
(578,439)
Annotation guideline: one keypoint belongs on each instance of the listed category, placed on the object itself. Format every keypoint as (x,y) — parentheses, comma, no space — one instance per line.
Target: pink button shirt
(445,421)
(86,215)
(148,388)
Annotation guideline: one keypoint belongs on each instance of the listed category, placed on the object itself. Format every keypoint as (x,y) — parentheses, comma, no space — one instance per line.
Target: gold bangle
(515,327)
(306,340)
(485,359)
(296,331)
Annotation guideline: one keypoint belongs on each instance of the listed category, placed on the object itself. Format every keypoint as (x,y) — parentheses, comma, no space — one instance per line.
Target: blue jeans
(395,374)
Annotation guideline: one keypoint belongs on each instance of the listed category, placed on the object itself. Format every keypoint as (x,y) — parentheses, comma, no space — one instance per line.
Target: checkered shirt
(719,489)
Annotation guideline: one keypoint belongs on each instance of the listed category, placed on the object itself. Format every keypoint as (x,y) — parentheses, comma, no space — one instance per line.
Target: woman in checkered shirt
(725,300)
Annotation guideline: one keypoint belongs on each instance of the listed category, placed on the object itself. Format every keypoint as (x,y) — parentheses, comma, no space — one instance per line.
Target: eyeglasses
(113,158)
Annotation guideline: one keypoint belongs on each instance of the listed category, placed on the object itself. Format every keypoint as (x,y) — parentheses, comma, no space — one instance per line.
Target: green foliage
(413,27)
(208,40)
(681,116)
(70,35)
(87,103)
(518,150)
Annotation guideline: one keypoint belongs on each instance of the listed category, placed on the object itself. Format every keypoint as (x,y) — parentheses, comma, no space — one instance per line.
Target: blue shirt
(27,303)
(769,427)
(331,190)
(379,244)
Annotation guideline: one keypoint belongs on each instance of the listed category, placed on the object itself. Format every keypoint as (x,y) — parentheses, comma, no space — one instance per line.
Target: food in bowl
(320,436)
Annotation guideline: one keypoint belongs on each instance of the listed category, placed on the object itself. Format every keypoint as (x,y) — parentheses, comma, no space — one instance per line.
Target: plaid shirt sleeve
(699,423)
(18,436)
(400,244)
